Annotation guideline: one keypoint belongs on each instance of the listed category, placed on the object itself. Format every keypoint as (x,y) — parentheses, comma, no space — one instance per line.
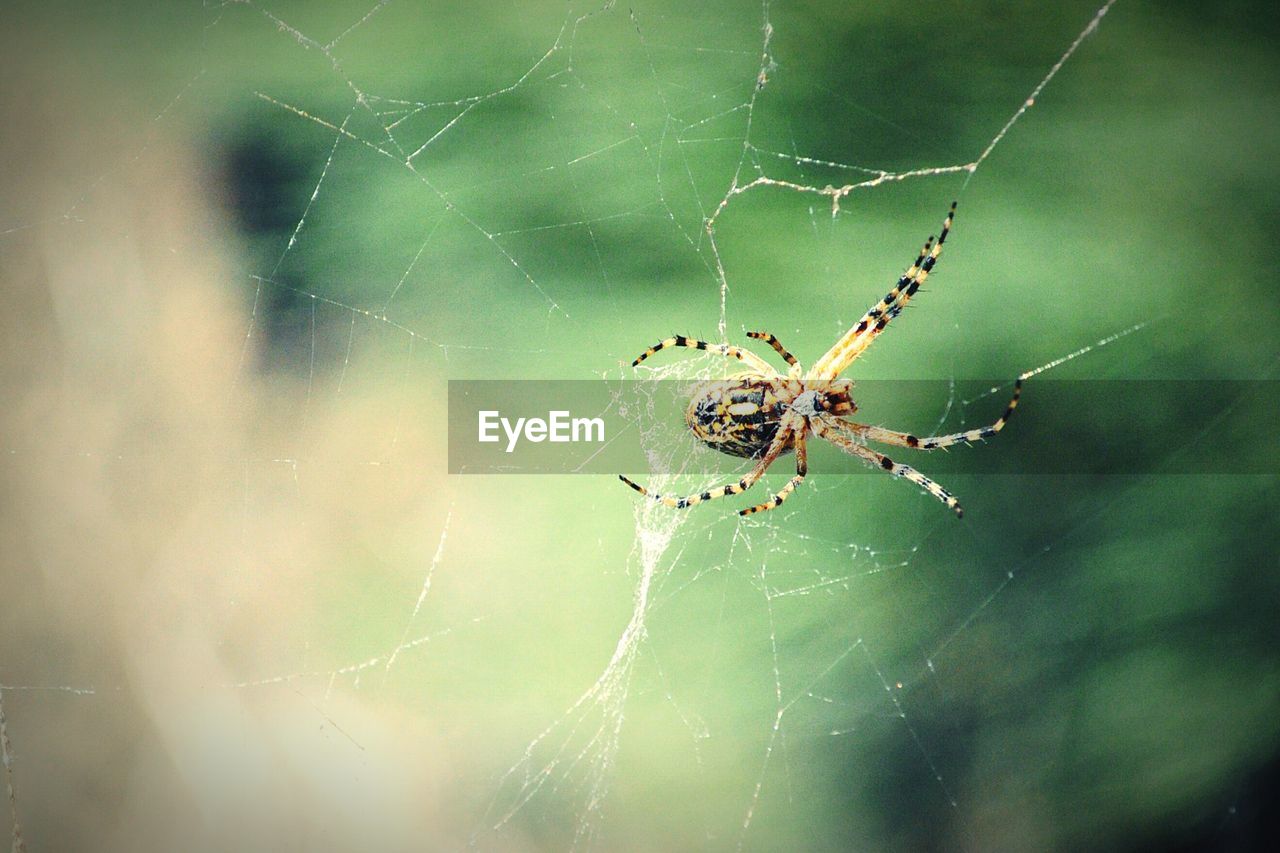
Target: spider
(762,414)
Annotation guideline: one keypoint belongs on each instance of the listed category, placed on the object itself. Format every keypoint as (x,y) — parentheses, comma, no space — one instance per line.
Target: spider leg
(779,444)
(866,330)
(802,468)
(823,429)
(745,356)
(776,344)
(933,442)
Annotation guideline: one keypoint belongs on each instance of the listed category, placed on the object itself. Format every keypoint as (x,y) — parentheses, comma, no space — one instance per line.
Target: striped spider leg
(865,331)
(790,435)
(826,428)
(768,337)
(935,442)
(848,436)
(745,356)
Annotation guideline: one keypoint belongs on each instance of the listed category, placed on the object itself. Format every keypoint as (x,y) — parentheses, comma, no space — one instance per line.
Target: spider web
(302,616)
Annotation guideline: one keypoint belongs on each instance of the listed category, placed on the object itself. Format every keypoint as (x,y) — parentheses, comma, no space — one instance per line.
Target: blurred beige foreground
(127,566)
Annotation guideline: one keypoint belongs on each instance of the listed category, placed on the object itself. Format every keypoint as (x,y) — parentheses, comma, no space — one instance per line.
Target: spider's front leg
(866,330)
(780,443)
(935,442)
(823,428)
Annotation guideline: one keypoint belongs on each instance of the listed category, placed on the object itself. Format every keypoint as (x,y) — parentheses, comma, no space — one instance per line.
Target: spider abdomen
(740,415)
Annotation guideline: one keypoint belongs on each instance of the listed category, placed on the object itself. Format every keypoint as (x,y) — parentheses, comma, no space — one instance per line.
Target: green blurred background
(247,245)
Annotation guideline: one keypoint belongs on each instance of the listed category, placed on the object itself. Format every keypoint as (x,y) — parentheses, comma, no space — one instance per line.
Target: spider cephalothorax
(761,414)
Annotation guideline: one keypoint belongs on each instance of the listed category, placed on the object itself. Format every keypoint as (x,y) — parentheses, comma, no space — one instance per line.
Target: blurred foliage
(1081,661)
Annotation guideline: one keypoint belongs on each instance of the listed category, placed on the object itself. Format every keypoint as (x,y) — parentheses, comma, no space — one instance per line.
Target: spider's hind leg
(690,500)
(771,340)
(727,350)
(802,468)
(780,443)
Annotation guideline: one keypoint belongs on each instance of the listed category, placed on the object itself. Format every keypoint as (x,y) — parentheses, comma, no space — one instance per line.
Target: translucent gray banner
(1091,427)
